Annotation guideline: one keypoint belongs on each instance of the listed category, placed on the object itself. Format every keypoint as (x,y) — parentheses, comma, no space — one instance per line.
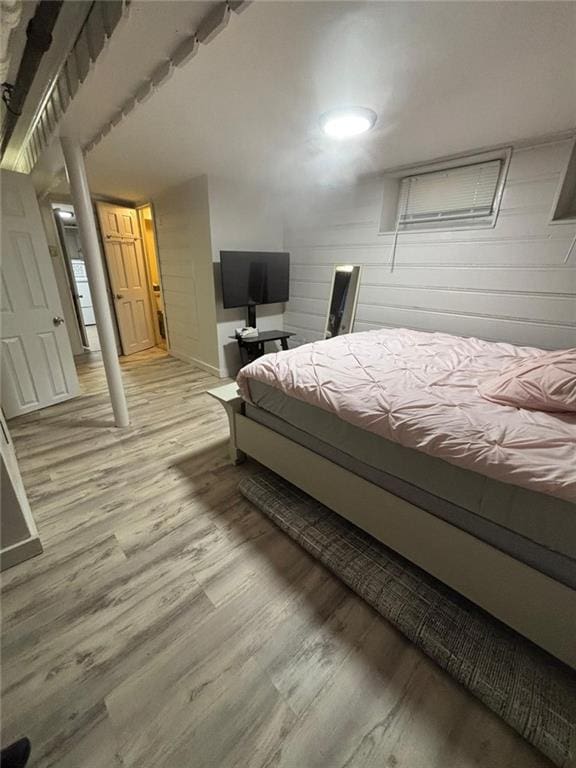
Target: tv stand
(252,347)
(251,315)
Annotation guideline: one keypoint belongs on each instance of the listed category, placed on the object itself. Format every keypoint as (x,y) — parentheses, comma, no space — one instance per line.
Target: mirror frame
(354,305)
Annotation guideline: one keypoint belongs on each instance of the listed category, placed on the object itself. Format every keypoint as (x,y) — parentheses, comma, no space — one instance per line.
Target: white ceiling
(143,39)
(442,77)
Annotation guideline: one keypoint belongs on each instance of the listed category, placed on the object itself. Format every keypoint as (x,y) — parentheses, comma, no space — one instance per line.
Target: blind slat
(465,192)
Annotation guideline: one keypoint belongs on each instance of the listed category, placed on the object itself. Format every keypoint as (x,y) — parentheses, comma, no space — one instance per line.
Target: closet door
(128,278)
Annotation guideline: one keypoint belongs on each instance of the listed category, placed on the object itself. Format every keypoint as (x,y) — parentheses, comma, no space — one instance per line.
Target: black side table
(252,347)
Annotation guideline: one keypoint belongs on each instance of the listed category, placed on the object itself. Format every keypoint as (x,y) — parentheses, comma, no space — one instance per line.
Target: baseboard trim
(19,552)
(199,363)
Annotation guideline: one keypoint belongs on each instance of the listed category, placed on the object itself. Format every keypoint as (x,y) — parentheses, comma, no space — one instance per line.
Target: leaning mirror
(343,298)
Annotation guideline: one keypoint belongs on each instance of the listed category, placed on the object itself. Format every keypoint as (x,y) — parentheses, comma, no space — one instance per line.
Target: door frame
(71,283)
(140,217)
(70,275)
(59,226)
(98,204)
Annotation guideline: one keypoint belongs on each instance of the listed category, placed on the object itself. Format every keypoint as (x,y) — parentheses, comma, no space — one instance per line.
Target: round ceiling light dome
(347,122)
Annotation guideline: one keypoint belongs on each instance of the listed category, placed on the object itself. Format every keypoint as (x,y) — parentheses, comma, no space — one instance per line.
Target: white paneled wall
(242,218)
(506,283)
(185,258)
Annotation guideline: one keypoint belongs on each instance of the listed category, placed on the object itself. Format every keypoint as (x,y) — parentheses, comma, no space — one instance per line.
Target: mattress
(535,528)
(421,390)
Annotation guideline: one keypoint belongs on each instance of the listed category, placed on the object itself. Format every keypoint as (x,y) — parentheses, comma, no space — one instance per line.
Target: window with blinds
(464,193)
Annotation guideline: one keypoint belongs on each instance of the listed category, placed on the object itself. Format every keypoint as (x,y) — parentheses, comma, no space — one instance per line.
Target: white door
(128,279)
(36,358)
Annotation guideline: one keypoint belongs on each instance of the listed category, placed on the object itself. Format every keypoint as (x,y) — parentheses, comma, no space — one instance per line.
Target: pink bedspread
(421,390)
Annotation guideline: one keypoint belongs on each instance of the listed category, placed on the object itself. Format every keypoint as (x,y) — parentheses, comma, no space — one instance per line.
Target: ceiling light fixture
(65,214)
(348,122)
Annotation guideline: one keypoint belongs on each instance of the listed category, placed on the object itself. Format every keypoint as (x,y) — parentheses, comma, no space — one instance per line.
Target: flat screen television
(250,278)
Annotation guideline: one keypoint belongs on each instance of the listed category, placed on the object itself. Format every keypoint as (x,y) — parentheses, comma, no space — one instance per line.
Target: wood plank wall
(185,259)
(507,283)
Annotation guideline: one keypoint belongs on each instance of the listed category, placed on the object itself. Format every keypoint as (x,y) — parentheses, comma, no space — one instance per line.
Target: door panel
(37,363)
(109,221)
(128,224)
(118,222)
(128,280)
(25,262)
(53,363)
(16,368)
(140,319)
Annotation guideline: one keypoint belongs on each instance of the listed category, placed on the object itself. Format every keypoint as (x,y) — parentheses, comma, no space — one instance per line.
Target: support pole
(82,202)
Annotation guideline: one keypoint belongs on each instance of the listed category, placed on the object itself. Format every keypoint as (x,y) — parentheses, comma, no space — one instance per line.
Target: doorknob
(119,295)
(57,320)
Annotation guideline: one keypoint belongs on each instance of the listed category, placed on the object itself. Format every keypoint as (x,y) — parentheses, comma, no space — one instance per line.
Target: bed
(388,429)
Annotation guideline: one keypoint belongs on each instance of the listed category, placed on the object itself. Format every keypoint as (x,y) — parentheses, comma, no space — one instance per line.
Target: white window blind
(467,192)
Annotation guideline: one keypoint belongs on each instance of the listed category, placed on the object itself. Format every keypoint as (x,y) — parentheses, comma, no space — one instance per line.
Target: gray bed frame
(537,606)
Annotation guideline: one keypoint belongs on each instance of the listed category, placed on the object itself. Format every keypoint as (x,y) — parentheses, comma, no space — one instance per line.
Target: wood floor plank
(65,570)
(168,623)
(91,745)
(302,676)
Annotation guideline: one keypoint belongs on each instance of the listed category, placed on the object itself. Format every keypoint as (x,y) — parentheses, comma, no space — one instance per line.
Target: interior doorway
(147,229)
(127,273)
(69,237)
(130,259)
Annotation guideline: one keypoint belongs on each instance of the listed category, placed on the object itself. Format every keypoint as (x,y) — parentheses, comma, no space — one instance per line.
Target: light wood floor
(168,623)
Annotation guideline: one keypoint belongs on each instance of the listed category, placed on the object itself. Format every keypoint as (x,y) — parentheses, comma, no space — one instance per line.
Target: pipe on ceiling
(38,41)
